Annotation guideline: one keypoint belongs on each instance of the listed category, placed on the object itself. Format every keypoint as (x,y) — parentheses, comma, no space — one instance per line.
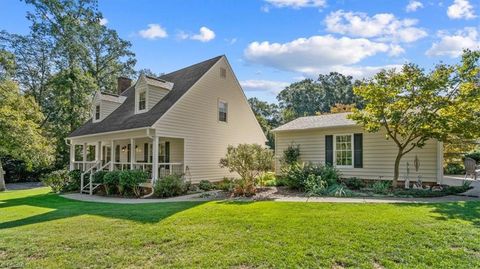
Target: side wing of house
(378,153)
(213,114)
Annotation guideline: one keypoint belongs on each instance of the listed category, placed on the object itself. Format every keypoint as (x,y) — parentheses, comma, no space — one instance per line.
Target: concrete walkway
(24,185)
(196,197)
(458,181)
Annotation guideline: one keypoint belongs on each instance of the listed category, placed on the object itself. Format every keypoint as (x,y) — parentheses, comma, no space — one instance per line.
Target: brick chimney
(122,84)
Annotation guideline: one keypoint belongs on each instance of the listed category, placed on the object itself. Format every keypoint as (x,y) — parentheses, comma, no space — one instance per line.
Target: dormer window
(97,112)
(142,101)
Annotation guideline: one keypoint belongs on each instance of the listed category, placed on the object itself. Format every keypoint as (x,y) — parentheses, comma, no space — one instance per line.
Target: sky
(272,43)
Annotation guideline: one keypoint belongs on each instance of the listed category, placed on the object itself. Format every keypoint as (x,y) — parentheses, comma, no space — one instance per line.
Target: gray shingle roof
(314,122)
(124,117)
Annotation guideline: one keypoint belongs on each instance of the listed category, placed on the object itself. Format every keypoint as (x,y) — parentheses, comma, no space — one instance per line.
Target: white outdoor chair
(471,168)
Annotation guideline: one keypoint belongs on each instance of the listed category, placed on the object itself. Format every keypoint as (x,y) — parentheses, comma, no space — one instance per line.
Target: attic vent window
(223,72)
(142,101)
(97,112)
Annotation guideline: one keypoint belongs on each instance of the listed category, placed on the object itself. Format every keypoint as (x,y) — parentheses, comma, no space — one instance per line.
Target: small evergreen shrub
(226,185)
(111,182)
(73,181)
(170,186)
(205,185)
(296,174)
(56,180)
(354,183)
(131,180)
(381,186)
(291,154)
(98,176)
(454,169)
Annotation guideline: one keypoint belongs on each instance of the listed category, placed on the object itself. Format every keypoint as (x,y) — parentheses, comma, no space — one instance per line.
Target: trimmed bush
(266,179)
(111,181)
(291,154)
(73,181)
(56,180)
(354,183)
(205,185)
(454,169)
(131,180)
(170,186)
(297,174)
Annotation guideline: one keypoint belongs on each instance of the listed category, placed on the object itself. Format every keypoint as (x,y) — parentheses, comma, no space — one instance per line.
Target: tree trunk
(396,169)
(2,179)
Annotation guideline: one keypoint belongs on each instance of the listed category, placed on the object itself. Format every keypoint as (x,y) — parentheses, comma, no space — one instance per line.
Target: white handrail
(86,172)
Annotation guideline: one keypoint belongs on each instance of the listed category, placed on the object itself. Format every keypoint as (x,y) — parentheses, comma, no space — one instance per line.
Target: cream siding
(107,107)
(155,94)
(378,153)
(195,119)
(140,86)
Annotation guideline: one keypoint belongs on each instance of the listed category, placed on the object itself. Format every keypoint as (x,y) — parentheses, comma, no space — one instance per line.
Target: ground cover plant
(39,229)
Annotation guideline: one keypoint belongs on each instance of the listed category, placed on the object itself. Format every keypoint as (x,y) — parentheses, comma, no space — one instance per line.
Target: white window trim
(218,111)
(335,151)
(137,101)
(94,119)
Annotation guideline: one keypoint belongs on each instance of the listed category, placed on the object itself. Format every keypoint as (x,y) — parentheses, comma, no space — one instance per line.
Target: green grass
(43,230)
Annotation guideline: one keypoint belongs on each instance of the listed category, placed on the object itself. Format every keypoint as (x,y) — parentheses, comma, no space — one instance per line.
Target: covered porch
(158,156)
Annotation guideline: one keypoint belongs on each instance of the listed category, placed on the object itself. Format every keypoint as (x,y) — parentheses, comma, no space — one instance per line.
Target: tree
(310,97)
(342,108)
(20,134)
(268,115)
(149,72)
(413,106)
(248,160)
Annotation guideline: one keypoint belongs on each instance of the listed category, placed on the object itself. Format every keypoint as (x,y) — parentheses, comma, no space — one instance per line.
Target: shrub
(381,186)
(131,179)
(205,185)
(249,161)
(73,183)
(296,174)
(354,183)
(244,187)
(111,181)
(56,180)
(339,190)
(169,186)
(454,169)
(226,185)
(98,176)
(266,179)
(315,185)
(291,154)
(474,155)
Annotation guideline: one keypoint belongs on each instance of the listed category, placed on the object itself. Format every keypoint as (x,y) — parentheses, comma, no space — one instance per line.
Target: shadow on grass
(466,211)
(65,208)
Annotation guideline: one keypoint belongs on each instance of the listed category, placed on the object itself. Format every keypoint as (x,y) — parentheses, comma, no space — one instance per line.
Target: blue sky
(271,43)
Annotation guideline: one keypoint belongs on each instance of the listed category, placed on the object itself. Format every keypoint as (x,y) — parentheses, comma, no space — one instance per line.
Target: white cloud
(264,85)
(413,5)
(396,50)
(453,45)
(154,31)
(313,55)
(461,9)
(231,41)
(296,4)
(383,26)
(103,21)
(204,35)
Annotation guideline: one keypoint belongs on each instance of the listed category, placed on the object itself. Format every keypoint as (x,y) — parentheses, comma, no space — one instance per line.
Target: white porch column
(72,156)
(112,154)
(155,159)
(132,152)
(98,151)
(84,156)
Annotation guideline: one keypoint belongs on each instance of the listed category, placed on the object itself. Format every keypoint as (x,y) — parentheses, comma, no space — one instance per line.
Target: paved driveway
(458,181)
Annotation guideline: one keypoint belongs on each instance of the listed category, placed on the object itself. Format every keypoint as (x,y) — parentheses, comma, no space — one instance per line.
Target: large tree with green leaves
(20,118)
(414,106)
(268,115)
(310,97)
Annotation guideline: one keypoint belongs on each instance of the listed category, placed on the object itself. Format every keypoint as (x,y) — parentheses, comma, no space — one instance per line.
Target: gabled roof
(124,117)
(315,122)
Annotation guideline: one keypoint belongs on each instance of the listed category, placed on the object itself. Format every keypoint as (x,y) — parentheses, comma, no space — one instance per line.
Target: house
(181,122)
(339,141)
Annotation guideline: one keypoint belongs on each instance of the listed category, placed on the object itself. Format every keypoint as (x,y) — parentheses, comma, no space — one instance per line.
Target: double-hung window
(97,112)
(142,101)
(222,111)
(343,150)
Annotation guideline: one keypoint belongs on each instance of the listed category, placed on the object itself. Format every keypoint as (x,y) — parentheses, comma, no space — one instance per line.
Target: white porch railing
(165,169)
(83,166)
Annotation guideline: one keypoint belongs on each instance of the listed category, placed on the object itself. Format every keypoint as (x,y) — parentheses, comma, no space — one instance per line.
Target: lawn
(43,230)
